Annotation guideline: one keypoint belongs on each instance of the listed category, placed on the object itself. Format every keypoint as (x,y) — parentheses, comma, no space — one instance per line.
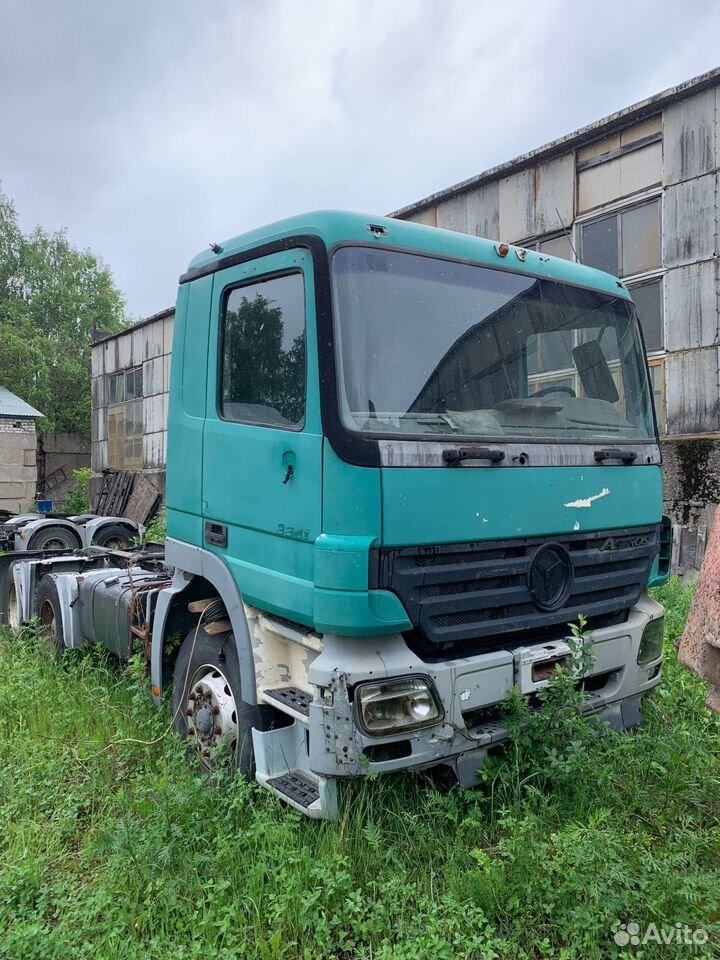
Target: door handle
(216,533)
(289,462)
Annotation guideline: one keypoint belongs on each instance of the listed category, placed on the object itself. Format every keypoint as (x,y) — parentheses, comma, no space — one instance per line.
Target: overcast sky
(148,128)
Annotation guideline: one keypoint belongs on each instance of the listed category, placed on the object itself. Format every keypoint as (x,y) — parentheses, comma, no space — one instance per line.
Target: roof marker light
(502,249)
(521,254)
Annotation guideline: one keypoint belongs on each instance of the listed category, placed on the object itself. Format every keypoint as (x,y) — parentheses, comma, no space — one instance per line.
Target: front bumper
(472,691)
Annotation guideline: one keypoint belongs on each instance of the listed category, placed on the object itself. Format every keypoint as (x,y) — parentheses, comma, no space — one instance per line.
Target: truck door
(262,462)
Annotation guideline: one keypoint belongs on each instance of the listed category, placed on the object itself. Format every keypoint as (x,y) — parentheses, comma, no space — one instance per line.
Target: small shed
(18,452)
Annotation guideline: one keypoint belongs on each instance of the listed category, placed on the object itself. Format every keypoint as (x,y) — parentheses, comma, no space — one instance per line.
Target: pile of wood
(127,494)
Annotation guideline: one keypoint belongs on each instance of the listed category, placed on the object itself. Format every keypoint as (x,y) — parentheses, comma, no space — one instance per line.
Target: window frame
(654,357)
(533,243)
(138,368)
(654,276)
(117,412)
(117,409)
(617,210)
(224,297)
(132,373)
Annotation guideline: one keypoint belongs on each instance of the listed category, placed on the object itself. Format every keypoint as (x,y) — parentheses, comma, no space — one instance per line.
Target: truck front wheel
(207,704)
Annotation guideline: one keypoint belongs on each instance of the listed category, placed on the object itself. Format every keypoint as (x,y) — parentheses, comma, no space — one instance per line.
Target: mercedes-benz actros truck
(400,461)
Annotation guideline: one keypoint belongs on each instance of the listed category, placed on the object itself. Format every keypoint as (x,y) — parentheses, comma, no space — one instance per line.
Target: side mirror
(594,372)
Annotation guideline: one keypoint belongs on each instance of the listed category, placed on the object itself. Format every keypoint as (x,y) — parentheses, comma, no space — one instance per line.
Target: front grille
(454,593)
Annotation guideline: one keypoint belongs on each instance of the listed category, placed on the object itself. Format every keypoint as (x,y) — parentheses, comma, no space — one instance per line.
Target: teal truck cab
(400,461)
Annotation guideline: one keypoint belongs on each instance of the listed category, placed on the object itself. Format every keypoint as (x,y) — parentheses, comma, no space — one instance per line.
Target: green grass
(114,848)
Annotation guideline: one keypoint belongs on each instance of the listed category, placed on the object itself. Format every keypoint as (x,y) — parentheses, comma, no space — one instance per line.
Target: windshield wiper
(453,457)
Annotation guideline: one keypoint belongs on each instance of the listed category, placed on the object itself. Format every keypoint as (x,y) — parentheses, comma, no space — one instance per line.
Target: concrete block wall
(18,465)
(62,452)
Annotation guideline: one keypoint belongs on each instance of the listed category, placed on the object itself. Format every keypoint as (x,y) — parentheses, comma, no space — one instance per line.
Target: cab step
(282,766)
(291,700)
(297,786)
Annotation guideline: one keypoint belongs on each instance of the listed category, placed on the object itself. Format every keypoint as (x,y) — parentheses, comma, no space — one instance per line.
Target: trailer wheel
(207,704)
(114,537)
(54,538)
(49,611)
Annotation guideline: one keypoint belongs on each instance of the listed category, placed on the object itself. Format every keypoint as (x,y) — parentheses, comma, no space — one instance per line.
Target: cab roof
(336,227)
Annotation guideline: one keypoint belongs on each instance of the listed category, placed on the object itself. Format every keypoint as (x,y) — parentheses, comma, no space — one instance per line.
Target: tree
(51,295)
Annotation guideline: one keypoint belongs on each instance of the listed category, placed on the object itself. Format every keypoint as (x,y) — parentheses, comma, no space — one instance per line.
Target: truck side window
(262,375)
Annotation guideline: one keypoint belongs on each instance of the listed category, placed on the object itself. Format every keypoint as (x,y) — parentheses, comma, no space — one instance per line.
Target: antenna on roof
(567,235)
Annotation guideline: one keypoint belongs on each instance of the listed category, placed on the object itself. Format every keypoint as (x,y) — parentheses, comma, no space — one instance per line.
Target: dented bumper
(472,691)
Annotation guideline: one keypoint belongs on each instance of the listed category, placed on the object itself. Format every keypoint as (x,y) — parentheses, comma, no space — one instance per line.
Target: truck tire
(49,610)
(207,703)
(54,538)
(114,537)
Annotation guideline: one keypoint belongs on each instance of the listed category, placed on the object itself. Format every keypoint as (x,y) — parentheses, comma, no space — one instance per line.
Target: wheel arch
(66,590)
(97,524)
(199,573)
(43,524)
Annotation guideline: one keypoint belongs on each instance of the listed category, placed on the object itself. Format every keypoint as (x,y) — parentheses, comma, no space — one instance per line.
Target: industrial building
(635,194)
(130,382)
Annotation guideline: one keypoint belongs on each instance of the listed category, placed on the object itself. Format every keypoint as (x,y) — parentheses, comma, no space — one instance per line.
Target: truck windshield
(428,346)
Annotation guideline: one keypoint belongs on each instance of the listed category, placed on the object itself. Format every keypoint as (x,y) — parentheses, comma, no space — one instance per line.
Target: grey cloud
(149,129)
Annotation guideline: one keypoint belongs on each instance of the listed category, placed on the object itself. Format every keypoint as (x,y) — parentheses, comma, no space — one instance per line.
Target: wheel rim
(211,712)
(13,619)
(55,543)
(116,543)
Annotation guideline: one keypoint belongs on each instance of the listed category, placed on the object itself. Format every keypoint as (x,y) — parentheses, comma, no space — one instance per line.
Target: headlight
(396,705)
(651,643)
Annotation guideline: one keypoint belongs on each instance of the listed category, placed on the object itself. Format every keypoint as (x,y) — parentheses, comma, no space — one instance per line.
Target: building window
(125,385)
(125,420)
(624,163)
(624,243)
(558,245)
(657,384)
(648,299)
(262,375)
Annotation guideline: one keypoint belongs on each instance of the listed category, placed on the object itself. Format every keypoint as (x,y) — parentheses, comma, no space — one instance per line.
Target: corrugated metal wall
(148,347)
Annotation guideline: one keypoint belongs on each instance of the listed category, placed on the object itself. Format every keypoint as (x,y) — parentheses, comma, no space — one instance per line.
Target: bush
(156,530)
(78,499)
